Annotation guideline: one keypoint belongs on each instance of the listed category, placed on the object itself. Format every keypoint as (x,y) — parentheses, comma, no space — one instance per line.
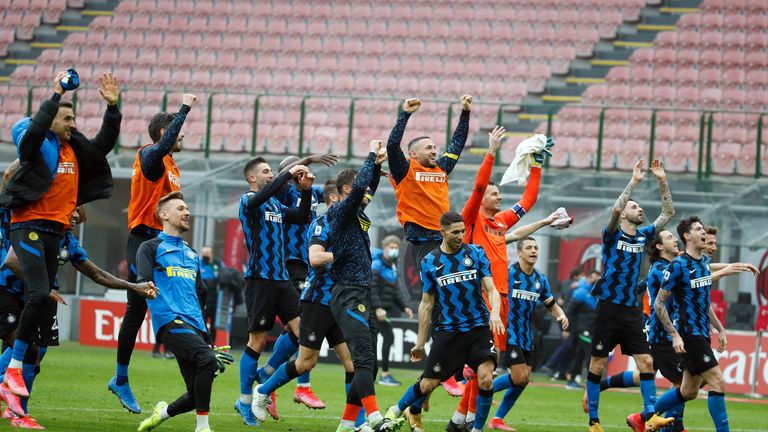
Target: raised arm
(106,138)
(667,210)
(151,156)
(723,269)
(638,174)
(32,139)
(302,214)
(347,208)
(472,207)
(448,161)
(262,195)
(398,161)
(528,230)
(107,279)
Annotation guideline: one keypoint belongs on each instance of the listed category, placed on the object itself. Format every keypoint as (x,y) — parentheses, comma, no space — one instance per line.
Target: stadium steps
(584,72)
(52,35)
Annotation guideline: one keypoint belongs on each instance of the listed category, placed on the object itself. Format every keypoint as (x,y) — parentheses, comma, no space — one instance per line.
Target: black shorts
(516,355)
(266,299)
(618,325)
(666,360)
(698,357)
(297,273)
(451,351)
(10,311)
(317,323)
(136,237)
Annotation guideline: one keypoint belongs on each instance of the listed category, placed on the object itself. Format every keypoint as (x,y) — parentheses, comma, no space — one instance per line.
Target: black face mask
(206,260)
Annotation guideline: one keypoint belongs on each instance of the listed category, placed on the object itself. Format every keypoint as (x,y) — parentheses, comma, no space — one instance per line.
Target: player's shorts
(266,299)
(516,355)
(450,351)
(10,312)
(501,340)
(698,356)
(618,325)
(666,360)
(317,323)
(297,273)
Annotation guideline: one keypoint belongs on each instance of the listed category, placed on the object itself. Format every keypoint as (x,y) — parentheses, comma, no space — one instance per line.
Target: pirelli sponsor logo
(458,277)
(701,282)
(174,271)
(524,295)
(174,179)
(273,217)
(430,177)
(66,168)
(629,247)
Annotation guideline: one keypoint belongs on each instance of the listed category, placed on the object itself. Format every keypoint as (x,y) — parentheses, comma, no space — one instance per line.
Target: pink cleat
(15,382)
(305,395)
(498,424)
(26,422)
(272,407)
(13,401)
(453,388)
(8,414)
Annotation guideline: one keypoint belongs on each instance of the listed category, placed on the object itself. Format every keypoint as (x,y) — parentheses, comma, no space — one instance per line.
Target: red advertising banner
(737,363)
(585,253)
(234,245)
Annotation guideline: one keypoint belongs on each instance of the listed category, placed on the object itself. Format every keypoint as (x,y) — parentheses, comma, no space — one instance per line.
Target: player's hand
(657,169)
(381,156)
(494,139)
(497,327)
(565,334)
(146,289)
(188,99)
(411,105)
(417,353)
(638,173)
(722,342)
(55,296)
(381,314)
(746,267)
(108,88)
(223,357)
(57,83)
(466,102)
(408,312)
(305,180)
(374,146)
(326,159)
(296,169)
(552,217)
(677,343)
(563,320)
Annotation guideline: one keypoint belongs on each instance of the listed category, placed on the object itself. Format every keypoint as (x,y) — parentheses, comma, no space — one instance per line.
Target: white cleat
(259,404)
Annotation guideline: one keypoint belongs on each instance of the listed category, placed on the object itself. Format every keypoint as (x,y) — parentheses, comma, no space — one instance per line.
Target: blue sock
(624,379)
(121,374)
(285,346)
(648,390)
(5,359)
(484,400)
(593,395)
(303,379)
(278,379)
(409,397)
(716,405)
(502,383)
(676,412)
(670,399)
(508,401)
(28,372)
(43,350)
(19,350)
(249,362)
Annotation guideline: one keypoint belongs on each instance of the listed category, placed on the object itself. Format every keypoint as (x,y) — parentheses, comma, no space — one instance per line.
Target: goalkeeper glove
(223,357)
(537,159)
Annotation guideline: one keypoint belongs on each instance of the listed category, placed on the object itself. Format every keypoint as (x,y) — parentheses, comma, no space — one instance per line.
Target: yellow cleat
(155,419)
(595,427)
(414,420)
(657,422)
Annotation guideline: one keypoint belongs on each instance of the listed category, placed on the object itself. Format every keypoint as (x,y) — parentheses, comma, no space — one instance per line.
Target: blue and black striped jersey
(263,230)
(455,281)
(319,282)
(525,290)
(297,235)
(622,256)
(656,332)
(8,281)
(690,282)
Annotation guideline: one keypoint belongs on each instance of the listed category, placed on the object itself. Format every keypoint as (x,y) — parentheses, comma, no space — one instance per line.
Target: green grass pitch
(71,395)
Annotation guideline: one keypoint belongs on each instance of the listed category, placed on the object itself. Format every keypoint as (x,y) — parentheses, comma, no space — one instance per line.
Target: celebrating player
(619,319)
(154,176)
(462,329)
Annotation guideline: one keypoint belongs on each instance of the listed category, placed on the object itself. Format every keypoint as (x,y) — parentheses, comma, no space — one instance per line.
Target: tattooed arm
(667,211)
(661,312)
(638,174)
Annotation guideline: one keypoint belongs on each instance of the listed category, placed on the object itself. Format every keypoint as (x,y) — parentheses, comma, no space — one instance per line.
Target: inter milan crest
(191,254)
(468,261)
(312,337)
(437,368)
(11,318)
(64,253)
(513,354)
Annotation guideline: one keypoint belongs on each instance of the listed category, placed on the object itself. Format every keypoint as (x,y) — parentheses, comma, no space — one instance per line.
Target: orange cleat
(453,388)
(635,421)
(26,422)
(498,424)
(272,407)
(305,395)
(15,382)
(13,401)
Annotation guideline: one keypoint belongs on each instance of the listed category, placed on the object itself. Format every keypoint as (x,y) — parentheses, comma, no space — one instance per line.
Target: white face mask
(393,253)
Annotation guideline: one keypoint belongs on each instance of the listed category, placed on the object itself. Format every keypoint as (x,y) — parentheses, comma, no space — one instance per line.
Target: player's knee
(644,363)
(597,364)
(689,393)
(485,381)
(427,385)
(304,365)
(206,362)
(521,379)
(716,383)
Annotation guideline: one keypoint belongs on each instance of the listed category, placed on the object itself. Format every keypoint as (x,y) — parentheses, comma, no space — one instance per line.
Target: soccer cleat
(468,373)
(8,414)
(365,427)
(272,406)
(342,428)
(305,395)
(636,423)
(26,422)
(595,427)
(676,426)
(657,422)
(390,414)
(453,427)
(155,419)
(125,395)
(15,382)
(453,388)
(498,424)
(13,401)
(585,403)
(246,415)
(387,425)
(389,380)
(413,420)
(259,404)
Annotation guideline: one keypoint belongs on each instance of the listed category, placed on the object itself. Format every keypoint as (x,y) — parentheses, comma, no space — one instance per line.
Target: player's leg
(286,345)
(519,363)
(716,398)
(606,330)
(481,356)
(305,360)
(669,363)
(388,338)
(336,340)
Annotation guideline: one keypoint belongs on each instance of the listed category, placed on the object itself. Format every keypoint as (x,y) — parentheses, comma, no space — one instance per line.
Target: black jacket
(34,178)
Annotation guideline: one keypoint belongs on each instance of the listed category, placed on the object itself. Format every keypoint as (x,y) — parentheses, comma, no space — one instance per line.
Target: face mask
(206,260)
(393,253)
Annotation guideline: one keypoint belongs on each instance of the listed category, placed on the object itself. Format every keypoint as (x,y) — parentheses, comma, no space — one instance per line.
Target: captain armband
(452,156)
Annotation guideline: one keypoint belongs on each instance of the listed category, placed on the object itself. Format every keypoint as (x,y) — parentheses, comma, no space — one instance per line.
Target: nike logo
(439,267)
(517,282)
(693,271)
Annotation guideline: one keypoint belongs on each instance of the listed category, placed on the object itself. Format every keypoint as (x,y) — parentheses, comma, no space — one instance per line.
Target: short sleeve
(77,253)
(546,290)
(648,231)
(672,275)
(244,207)
(317,192)
(483,264)
(319,232)
(427,281)
(607,236)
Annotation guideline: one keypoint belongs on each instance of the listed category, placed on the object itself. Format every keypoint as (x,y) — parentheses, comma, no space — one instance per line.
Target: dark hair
(520,243)
(66,104)
(412,142)
(490,183)
(576,271)
(345,178)
(654,254)
(328,190)
(171,196)
(593,271)
(710,230)
(251,164)
(159,121)
(449,218)
(684,227)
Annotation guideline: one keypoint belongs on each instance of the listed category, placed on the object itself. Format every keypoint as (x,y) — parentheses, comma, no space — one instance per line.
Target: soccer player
(619,319)
(268,292)
(60,169)
(711,241)
(487,226)
(154,175)
(528,287)
(177,313)
(581,310)
(455,274)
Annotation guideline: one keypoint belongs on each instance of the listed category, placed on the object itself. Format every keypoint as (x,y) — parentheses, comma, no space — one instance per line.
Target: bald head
(287,161)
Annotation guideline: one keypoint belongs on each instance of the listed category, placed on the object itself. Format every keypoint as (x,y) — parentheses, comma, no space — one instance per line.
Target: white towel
(520,168)
(563,221)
